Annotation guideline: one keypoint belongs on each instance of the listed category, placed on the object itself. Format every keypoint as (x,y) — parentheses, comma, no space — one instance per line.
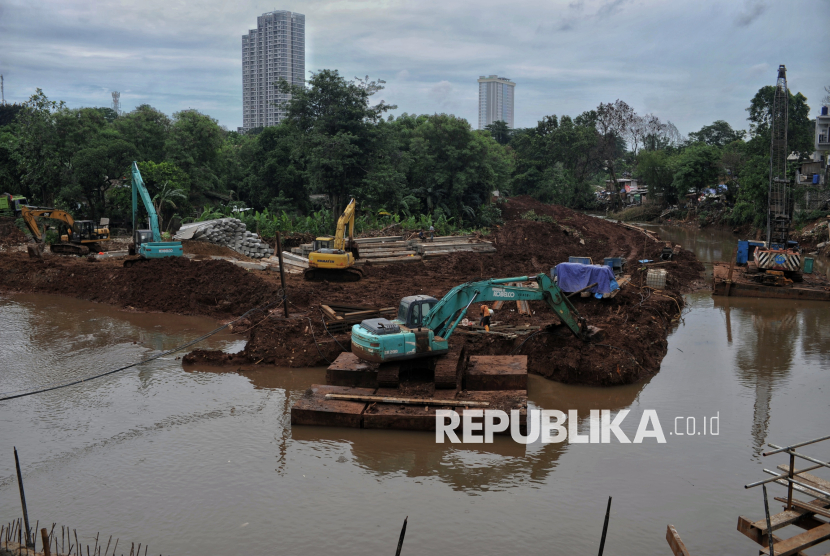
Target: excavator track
(333,274)
(69,249)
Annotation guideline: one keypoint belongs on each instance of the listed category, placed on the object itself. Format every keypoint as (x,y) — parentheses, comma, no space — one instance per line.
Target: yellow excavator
(77,236)
(332,257)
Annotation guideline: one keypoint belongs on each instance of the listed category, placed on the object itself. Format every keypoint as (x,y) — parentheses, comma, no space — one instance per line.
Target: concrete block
(314,409)
(496,372)
(250,266)
(349,370)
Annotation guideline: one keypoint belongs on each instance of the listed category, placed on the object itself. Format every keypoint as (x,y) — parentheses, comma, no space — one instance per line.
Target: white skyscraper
(495,100)
(274,50)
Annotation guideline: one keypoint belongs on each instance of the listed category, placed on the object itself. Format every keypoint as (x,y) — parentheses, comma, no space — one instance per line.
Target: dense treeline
(335,143)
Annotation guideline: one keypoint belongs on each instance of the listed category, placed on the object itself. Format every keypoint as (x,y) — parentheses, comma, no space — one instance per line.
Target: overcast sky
(690,62)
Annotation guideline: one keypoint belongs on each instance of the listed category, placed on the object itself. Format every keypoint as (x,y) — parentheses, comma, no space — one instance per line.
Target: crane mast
(778,216)
(778,262)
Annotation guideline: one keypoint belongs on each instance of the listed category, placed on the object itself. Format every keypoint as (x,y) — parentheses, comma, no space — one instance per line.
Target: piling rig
(778,261)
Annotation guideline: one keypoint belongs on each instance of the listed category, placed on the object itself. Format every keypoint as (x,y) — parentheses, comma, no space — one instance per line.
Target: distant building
(274,50)
(495,100)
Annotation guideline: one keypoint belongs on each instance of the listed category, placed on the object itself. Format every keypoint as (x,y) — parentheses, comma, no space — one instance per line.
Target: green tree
(718,134)
(697,168)
(38,149)
(657,169)
(147,129)
(800,129)
(193,144)
(499,131)
(166,197)
(95,171)
(334,123)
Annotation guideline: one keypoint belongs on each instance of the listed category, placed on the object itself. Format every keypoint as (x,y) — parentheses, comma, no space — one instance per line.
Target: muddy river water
(201,461)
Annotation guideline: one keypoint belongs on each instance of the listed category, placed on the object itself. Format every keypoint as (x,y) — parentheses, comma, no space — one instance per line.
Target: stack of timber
(340,318)
(499,329)
(445,245)
(294,264)
(399,250)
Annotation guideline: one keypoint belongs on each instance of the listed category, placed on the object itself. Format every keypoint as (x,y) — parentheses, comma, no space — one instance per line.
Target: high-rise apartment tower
(495,100)
(274,50)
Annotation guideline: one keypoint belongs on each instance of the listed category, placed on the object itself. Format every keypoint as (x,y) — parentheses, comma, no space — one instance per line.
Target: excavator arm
(140,188)
(447,313)
(347,218)
(31,214)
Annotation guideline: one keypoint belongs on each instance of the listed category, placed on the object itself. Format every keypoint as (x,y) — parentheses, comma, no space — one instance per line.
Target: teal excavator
(147,244)
(424,324)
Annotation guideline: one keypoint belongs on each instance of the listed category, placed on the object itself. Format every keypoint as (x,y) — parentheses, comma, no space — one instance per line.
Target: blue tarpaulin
(574,276)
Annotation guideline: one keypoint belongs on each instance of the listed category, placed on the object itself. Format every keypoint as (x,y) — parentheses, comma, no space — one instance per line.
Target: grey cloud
(658,56)
(751,12)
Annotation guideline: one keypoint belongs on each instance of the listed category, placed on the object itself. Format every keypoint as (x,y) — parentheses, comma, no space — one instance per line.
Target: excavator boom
(424,325)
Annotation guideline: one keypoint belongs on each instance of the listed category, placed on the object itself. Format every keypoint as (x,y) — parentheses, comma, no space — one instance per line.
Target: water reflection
(474,469)
(768,333)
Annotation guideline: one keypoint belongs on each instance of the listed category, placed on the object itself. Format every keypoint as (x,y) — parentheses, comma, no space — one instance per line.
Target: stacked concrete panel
(229,232)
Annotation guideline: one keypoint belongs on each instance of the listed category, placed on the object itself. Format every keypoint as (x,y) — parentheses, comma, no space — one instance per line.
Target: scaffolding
(778,217)
(805,514)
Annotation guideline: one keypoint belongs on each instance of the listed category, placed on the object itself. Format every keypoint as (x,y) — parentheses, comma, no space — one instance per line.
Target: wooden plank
(404,401)
(778,521)
(793,545)
(329,312)
(806,506)
(746,527)
(677,546)
(360,313)
(393,260)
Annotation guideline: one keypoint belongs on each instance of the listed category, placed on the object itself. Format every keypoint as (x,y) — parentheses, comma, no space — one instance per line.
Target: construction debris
(229,232)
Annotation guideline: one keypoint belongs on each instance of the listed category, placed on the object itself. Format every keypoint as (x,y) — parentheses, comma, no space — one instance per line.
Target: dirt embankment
(636,322)
(211,288)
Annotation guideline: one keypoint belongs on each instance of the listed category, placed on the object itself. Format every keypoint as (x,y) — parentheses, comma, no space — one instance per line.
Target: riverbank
(636,322)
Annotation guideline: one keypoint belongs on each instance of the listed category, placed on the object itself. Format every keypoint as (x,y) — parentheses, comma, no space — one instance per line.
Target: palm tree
(164,198)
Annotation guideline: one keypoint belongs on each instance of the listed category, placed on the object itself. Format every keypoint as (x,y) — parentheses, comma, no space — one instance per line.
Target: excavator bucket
(35,251)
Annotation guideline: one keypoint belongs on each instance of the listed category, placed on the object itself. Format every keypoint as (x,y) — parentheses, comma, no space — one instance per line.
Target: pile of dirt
(10,234)
(635,323)
(174,285)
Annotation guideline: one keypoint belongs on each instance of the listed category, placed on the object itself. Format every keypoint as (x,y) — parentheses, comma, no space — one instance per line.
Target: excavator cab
(413,309)
(325,244)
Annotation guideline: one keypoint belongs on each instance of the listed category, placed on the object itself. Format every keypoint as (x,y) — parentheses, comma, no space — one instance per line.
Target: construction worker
(486,312)
(432,233)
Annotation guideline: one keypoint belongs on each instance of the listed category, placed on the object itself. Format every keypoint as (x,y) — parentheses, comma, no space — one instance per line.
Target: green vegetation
(531,215)
(411,170)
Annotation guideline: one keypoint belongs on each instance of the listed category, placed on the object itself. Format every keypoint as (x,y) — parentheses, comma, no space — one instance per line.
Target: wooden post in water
(22,497)
(731,268)
(45,536)
(605,527)
(282,275)
(400,540)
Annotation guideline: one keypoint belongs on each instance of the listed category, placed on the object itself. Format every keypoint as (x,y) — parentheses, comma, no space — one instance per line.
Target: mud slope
(174,285)
(636,322)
